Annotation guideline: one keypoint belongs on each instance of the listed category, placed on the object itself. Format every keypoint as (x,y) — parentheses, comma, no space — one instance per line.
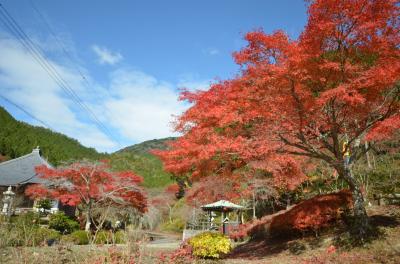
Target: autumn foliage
(316,97)
(90,185)
(313,214)
(80,182)
(310,215)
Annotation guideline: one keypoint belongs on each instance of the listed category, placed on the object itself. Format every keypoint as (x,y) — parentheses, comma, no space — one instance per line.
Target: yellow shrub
(210,245)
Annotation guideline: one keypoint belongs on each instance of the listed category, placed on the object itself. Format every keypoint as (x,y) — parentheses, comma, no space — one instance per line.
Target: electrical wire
(36,53)
(26,112)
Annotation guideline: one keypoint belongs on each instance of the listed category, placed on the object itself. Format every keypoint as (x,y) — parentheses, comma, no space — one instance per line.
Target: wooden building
(19,173)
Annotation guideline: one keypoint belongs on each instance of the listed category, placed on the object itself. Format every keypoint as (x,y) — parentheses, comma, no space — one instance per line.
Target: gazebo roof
(221,205)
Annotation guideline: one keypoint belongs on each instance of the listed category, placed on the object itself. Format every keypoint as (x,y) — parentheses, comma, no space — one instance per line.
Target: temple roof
(22,170)
(221,205)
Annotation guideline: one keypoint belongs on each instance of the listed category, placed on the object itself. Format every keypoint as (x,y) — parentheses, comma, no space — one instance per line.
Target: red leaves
(296,99)
(36,191)
(312,214)
(384,129)
(309,215)
(181,255)
(172,188)
(262,48)
(213,188)
(80,183)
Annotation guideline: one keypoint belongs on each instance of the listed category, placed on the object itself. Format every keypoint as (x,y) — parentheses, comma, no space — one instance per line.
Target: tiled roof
(21,170)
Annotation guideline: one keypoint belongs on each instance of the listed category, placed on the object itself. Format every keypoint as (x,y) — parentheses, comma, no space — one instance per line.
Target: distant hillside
(19,138)
(146,146)
(139,159)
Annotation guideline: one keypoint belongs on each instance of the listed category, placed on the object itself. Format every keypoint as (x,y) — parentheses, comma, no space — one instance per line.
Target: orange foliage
(296,99)
(84,183)
(313,214)
(172,189)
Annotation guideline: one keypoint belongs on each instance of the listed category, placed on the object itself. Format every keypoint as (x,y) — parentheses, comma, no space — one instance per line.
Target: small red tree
(89,185)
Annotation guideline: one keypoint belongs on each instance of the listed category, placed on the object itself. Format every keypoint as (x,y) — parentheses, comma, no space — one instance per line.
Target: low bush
(29,236)
(43,205)
(107,237)
(210,245)
(120,237)
(24,230)
(177,225)
(103,237)
(45,235)
(62,223)
(312,214)
(79,237)
(28,219)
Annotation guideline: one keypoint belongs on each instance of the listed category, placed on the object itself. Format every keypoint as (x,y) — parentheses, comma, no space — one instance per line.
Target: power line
(50,69)
(36,53)
(62,46)
(25,111)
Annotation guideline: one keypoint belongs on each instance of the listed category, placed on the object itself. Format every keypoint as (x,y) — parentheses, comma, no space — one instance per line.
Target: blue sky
(134,55)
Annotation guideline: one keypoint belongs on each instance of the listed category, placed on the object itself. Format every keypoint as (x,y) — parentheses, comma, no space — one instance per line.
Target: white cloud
(211,51)
(106,56)
(142,107)
(134,105)
(24,82)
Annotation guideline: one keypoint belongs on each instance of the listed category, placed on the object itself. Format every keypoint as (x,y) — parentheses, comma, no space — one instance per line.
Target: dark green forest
(19,138)
(146,146)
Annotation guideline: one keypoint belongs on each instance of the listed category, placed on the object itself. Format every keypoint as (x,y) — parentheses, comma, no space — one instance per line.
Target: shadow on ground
(262,248)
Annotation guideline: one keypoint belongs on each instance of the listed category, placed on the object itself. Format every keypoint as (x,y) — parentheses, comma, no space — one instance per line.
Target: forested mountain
(139,159)
(146,146)
(19,138)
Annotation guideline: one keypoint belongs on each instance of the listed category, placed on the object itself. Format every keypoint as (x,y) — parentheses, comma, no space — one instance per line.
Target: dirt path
(163,241)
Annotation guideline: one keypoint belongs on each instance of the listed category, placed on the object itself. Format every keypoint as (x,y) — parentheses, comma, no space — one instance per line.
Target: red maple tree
(89,185)
(316,97)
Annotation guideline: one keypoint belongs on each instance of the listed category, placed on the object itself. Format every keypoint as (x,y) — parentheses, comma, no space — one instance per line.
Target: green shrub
(24,230)
(177,225)
(79,237)
(42,235)
(21,231)
(44,204)
(120,237)
(30,236)
(210,245)
(30,219)
(103,237)
(62,223)
(107,237)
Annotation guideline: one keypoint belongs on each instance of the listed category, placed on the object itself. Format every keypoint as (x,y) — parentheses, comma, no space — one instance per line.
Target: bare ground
(383,249)
(311,249)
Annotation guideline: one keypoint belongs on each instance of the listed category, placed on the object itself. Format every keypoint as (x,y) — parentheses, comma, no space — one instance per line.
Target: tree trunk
(367,155)
(88,217)
(88,223)
(254,205)
(361,223)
